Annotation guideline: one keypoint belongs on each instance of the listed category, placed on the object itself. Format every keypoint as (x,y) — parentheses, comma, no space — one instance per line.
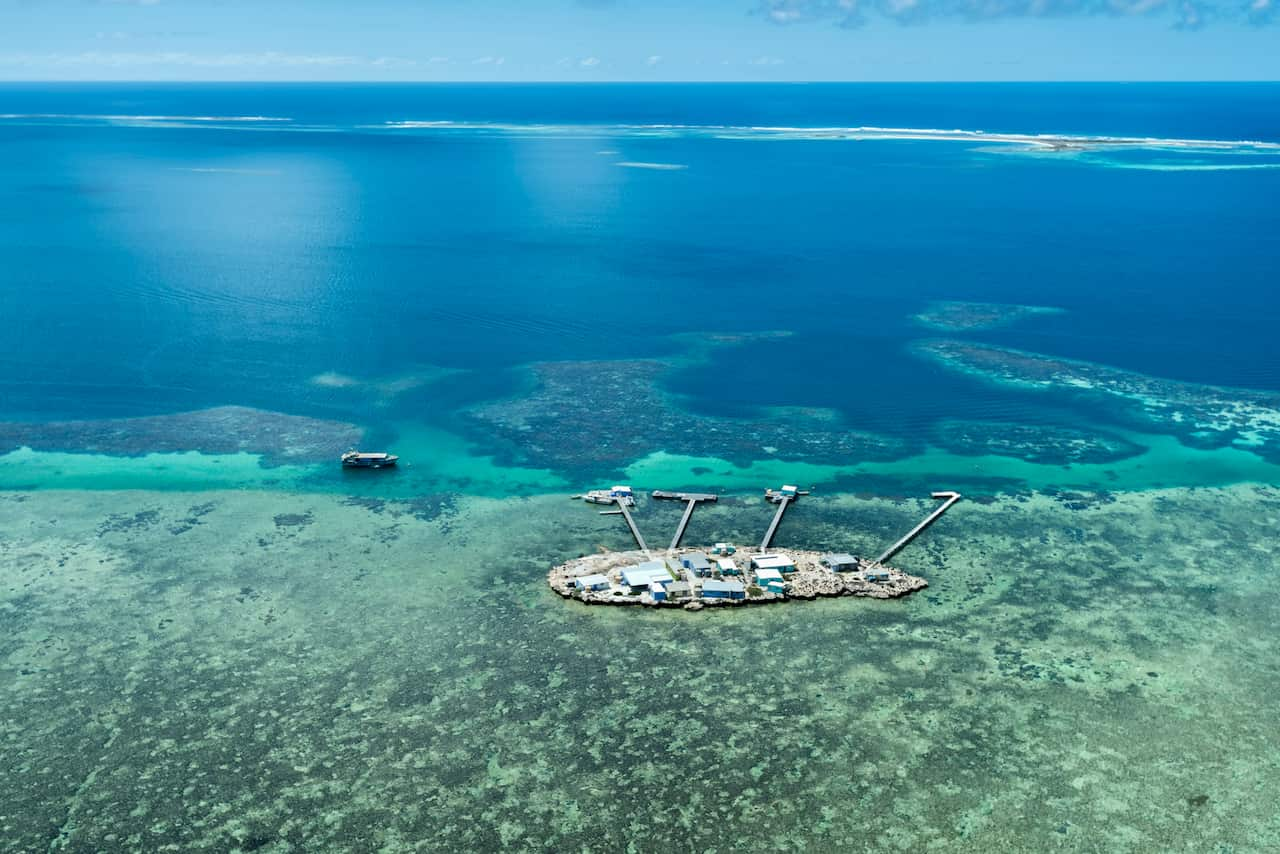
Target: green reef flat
(280,671)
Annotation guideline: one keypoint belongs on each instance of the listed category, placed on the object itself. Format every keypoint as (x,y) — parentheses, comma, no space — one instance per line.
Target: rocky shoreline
(810,580)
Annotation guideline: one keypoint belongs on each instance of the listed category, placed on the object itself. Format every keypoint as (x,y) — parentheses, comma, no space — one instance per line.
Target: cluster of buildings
(697,575)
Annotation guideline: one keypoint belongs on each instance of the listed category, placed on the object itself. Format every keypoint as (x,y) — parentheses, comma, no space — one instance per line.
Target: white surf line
(852,132)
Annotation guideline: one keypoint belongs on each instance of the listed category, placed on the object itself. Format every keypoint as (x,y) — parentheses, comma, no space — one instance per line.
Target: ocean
(1059,300)
(173,248)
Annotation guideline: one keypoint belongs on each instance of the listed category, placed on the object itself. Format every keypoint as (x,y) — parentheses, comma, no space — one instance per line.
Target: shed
(878,573)
(713,589)
(698,563)
(657,591)
(724,549)
(592,582)
(840,562)
(765,577)
(679,590)
(621,491)
(780,562)
(639,577)
(728,567)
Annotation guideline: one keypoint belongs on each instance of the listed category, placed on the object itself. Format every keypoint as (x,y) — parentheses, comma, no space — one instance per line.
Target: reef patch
(1202,416)
(1036,443)
(960,316)
(606,414)
(278,437)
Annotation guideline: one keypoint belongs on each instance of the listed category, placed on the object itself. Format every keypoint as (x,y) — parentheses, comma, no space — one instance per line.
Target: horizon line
(567,82)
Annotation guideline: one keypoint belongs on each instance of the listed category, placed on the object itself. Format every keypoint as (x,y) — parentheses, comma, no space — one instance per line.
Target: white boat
(366,460)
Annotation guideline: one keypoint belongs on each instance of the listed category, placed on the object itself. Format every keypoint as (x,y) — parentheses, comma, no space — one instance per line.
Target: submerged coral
(1035,443)
(958,316)
(278,437)
(1101,678)
(1199,415)
(605,414)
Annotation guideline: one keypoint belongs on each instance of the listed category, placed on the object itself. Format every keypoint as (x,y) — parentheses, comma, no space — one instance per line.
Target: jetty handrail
(951,498)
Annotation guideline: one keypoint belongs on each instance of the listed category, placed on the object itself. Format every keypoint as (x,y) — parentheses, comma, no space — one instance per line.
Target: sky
(639,40)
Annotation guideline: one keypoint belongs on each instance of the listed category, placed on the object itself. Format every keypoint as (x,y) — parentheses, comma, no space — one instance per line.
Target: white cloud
(120,59)
(653,61)
(589,62)
(768,60)
(489,60)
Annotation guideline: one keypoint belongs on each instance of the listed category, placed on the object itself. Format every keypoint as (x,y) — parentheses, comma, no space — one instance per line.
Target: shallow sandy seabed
(287,672)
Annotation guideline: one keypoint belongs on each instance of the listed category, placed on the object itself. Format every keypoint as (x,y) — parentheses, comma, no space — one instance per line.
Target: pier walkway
(777,520)
(692,500)
(951,498)
(635,532)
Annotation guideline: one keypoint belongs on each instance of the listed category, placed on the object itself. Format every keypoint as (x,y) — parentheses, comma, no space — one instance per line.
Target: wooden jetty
(951,498)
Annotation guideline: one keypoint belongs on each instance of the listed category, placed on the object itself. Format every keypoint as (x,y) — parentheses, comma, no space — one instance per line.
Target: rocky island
(723,575)
(690,579)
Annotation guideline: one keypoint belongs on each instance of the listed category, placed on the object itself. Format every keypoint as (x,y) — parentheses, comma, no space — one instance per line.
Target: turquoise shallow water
(443,463)
(280,671)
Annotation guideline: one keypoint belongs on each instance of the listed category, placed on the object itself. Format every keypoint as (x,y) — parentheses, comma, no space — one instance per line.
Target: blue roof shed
(713,589)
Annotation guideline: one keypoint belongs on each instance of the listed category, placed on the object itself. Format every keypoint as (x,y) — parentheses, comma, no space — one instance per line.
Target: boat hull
(370,462)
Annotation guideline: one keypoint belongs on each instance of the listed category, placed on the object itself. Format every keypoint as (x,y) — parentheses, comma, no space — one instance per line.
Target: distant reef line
(1203,416)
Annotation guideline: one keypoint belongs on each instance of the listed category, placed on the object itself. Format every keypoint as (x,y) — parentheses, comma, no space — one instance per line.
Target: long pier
(635,532)
(951,498)
(777,520)
(692,500)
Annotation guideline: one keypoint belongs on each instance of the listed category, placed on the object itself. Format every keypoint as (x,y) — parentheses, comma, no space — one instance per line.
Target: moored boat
(616,495)
(368,460)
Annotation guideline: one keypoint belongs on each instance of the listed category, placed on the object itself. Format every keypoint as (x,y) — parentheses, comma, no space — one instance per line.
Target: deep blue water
(153,268)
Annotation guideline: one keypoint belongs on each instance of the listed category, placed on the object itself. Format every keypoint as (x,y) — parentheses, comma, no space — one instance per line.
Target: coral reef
(605,414)
(1035,443)
(278,437)
(959,316)
(1199,415)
